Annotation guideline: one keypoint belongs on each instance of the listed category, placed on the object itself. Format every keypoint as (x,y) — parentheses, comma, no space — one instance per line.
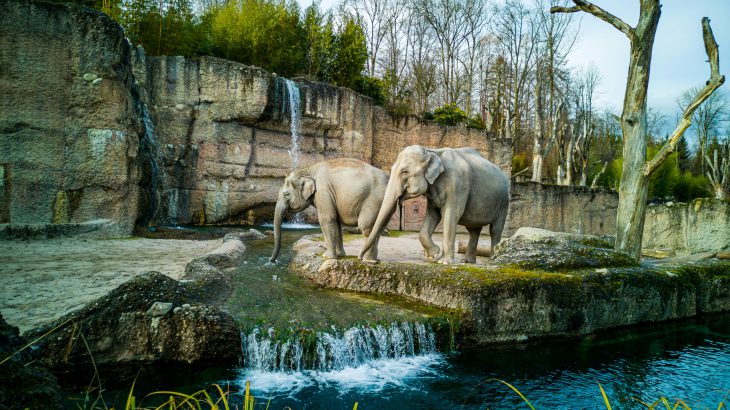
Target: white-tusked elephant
(345,191)
(461,187)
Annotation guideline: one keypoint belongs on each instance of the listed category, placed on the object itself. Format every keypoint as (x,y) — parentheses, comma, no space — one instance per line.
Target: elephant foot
(370,261)
(330,255)
(433,254)
(447,261)
(469,260)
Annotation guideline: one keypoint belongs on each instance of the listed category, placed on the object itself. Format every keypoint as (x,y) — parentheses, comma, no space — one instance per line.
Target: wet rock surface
(24,383)
(503,302)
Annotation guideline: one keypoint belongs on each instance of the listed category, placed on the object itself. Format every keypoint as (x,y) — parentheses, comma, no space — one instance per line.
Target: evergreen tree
(350,54)
(683,155)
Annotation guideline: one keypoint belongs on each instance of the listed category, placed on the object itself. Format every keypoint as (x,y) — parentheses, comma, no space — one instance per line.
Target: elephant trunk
(392,192)
(281,207)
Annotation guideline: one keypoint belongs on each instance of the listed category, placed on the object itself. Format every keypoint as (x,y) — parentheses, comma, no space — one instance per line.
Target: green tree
(320,43)
(350,54)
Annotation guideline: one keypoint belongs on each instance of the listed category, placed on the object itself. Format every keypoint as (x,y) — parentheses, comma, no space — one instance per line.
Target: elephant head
(296,195)
(415,169)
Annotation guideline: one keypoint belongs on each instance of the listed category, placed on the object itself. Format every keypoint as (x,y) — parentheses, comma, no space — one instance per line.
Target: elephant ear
(307,187)
(434,168)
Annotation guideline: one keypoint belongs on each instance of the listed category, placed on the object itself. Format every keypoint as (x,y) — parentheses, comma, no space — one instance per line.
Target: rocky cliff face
(70,127)
(225,134)
(92,129)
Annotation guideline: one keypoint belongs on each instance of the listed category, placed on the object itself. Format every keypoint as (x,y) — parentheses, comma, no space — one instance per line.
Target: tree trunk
(634,184)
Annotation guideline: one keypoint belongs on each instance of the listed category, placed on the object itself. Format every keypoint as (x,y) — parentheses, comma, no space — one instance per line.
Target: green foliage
(263,33)
(476,123)
(690,186)
(449,114)
(372,87)
(320,43)
(164,28)
(427,115)
(351,52)
(665,178)
(519,162)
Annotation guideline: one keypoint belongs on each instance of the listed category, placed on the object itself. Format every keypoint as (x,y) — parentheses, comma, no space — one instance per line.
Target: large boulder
(149,318)
(534,248)
(24,383)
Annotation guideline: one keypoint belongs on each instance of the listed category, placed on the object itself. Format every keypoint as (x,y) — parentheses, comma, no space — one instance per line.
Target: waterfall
(295,116)
(337,351)
(150,151)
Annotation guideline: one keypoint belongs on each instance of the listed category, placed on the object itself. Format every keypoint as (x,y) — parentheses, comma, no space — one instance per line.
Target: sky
(679,59)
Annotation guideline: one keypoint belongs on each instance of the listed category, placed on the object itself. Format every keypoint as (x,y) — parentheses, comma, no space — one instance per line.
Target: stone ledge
(122,327)
(506,303)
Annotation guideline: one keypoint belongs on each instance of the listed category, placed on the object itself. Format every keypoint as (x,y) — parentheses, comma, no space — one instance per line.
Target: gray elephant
(345,191)
(460,187)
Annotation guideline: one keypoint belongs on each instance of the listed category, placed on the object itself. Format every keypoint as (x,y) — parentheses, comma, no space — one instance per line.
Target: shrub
(449,114)
(476,123)
(373,88)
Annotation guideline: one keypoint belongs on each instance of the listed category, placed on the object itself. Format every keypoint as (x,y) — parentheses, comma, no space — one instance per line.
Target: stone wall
(702,225)
(573,209)
(224,132)
(69,129)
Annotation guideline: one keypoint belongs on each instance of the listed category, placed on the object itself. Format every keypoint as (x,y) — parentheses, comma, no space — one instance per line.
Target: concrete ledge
(504,303)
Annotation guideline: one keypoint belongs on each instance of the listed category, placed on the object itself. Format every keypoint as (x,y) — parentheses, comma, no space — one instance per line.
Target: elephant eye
(403,171)
(287,194)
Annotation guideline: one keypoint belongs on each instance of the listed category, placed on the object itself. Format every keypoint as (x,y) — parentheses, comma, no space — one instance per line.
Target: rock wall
(69,129)
(702,225)
(573,209)
(224,131)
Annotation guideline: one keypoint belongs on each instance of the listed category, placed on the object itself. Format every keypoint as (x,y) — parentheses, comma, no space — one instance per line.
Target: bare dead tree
(586,82)
(542,145)
(371,16)
(636,170)
(719,169)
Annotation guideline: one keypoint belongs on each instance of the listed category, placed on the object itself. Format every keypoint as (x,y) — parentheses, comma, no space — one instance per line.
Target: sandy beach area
(43,280)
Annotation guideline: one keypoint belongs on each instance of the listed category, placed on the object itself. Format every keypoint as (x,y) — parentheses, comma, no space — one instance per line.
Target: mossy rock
(533,248)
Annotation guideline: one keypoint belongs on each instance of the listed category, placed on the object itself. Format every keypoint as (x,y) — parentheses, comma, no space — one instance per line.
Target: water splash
(337,351)
(295,117)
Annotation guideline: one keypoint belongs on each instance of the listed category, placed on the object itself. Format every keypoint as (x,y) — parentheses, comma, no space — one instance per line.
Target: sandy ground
(407,248)
(41,281)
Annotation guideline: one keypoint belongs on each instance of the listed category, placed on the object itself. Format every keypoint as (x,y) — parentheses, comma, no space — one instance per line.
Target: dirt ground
(41,281)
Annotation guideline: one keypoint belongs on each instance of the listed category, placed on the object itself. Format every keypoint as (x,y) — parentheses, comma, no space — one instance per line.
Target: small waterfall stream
(295,115)
(336,351)
(150,151)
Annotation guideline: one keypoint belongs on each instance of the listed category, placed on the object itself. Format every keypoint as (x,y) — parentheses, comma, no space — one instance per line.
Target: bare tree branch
(588,7)
(715,81)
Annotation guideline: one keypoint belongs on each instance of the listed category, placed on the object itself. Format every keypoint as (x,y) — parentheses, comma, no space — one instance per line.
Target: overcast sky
(679,60)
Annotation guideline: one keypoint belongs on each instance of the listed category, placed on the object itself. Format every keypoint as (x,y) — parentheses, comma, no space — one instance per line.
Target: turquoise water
(681,360)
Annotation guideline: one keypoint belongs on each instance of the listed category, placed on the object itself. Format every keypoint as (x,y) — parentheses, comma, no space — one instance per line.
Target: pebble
(159,309)
(89,76)
(96,82)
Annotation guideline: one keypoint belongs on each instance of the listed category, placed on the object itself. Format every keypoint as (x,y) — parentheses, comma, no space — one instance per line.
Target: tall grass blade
(721,406)
(130,399)
(605,398)
(223,397)
(519,393)
(34,341)
(355,408)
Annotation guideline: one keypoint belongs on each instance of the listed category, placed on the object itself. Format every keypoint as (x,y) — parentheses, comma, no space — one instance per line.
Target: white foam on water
(292,225)
(373,376)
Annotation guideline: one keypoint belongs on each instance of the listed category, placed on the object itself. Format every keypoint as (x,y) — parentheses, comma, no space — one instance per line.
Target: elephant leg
(450,218)
(339,241)
(430,250)
(372,254)
(331,231)
(495,231)
(471,248)
(365,222)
